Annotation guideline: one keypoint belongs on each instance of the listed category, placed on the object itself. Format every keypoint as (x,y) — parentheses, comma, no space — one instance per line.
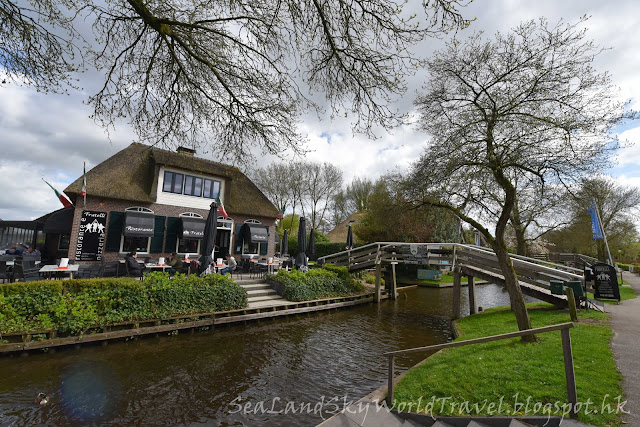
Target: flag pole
(604,235)
(84,184)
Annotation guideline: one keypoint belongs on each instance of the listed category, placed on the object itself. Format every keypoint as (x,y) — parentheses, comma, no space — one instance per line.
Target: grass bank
(507,373)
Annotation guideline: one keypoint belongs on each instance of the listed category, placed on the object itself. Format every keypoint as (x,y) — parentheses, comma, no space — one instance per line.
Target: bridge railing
(530,270)
(566,351)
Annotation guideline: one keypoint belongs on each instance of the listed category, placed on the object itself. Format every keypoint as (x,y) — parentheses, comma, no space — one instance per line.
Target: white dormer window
(190,185)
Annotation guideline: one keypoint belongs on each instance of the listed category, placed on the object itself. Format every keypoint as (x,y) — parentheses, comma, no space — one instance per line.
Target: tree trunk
(521,248)
(513,288)
(519,230)
(500,247)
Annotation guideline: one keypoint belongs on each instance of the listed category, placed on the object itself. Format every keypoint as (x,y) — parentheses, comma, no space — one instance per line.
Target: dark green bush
(72,306)
(623,267)
(315,284)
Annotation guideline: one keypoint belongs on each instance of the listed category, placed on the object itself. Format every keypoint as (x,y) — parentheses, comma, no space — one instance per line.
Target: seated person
(133,266)
(231,265)
(175,263)
(31,251)
(13,251)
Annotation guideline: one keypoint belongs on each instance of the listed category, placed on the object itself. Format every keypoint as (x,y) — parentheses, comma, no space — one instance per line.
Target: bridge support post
(456,293)
(394,285)
(472,295)
(376,297)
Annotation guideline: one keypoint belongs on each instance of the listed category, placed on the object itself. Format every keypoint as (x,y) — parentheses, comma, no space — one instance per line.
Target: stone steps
(260,293)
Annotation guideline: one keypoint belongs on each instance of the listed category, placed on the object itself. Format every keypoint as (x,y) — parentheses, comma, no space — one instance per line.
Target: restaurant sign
(606,282)
(91,236)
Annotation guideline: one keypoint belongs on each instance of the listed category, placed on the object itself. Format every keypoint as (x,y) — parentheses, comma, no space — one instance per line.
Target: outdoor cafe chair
(4,274)
(20,274)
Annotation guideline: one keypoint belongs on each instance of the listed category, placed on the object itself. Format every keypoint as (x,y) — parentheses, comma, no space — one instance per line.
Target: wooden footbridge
(471,261)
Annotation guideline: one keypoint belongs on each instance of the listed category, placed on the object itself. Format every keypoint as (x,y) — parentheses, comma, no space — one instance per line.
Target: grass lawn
(508,372)
(626,292)
(445,278)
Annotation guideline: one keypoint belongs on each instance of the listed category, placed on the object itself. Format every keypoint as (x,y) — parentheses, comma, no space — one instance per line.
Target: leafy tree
(618,207)
(390,218)
(525,109)
(358,193)
(228,74)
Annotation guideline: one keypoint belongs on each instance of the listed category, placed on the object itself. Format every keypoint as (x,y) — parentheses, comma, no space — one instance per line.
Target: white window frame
(193,174)
(136,209)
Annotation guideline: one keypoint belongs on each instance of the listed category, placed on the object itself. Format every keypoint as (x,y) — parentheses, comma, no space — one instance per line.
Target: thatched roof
(131,174)
(339,233)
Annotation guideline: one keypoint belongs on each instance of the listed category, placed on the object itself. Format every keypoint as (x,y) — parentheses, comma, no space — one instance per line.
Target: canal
(287,371)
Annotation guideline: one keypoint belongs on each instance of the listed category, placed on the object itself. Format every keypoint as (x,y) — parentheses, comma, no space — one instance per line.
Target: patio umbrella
(350,237)
(284,248)
(209,238)
(312,244)
(301,258)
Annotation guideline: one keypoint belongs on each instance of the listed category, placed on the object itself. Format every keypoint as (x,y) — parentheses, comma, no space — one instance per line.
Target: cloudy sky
(45,135)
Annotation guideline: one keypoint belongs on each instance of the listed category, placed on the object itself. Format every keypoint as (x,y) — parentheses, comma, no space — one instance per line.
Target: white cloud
(630,152)
(51,134)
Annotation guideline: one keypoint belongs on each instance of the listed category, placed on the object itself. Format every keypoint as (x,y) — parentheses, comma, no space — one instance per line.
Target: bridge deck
(534,291)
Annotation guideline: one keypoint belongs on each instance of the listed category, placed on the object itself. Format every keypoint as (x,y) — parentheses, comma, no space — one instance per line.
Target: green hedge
(316,283)
(72,306)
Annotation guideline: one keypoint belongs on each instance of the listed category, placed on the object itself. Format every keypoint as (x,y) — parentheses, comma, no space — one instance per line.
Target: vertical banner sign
(91,236)
(595,224)
(606,281)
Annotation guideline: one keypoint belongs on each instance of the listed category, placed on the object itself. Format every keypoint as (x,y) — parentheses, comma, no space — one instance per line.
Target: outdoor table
(218,268)
(157,267)
(270,267)
(72,268)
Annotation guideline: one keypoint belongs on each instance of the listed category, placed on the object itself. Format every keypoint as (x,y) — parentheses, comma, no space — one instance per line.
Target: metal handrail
(566,351)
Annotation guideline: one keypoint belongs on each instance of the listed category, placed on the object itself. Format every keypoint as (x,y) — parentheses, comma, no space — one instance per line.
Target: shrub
(316,283)
(371,279)
(72,306)
(624,267)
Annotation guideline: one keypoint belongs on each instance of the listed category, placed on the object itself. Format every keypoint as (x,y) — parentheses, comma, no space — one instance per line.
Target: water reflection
(207,376)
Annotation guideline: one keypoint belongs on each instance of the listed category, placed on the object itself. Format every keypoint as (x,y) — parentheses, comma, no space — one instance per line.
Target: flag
(65,202)
(281,214)
(83,191)
(221,209)
(595,224)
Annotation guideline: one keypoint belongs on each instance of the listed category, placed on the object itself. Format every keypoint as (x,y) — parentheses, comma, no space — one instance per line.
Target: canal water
(288,371)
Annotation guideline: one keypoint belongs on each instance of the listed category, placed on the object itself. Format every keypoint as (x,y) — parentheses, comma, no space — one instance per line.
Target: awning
(254,233)
(138,224)
(191,228)
(59,222)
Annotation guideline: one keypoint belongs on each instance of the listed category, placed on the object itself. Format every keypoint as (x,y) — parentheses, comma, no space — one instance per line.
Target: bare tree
(537,211)
(274,181)
(527,106)
(37,44)
(231,75)
(320,184)
(339,208)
